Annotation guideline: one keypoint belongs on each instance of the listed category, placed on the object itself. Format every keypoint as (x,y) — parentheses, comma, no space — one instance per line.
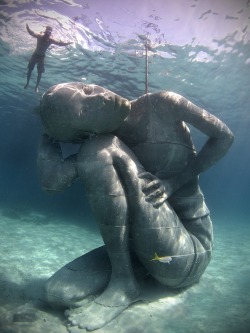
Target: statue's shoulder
(164,96)
(161,102)
(167,97)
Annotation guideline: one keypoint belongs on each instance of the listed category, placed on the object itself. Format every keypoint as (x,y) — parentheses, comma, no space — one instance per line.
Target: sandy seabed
(34,246)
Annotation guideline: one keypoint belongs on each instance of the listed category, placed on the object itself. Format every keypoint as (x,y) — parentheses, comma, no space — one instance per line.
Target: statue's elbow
(51,183)
(230,139)
(51,187)
(51,190)
(226,140)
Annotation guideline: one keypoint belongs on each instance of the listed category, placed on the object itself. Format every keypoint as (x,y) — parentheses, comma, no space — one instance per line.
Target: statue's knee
(55,293)
(94,154)
(96,147)
(60,291)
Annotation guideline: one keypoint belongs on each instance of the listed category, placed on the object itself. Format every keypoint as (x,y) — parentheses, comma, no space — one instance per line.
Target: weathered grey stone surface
(140,174)
(69,110)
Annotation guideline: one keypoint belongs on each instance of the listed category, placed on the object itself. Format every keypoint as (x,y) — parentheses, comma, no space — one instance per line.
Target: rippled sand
(34,246)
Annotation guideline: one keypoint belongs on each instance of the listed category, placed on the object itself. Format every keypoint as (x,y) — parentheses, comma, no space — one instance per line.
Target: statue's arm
(56,174)
(220,138)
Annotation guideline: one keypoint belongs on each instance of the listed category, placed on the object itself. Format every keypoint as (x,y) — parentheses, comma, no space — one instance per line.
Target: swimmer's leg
(31,66)
(40,70)
(28,78)
(39,76)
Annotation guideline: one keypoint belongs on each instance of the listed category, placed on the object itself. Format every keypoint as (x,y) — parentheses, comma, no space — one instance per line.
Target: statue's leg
(83,278)
(89,274)
(184,258)
(107,198)
(110,171)
(79,280)
(185,247)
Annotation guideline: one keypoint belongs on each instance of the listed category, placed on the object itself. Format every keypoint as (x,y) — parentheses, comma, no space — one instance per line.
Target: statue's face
(71,111)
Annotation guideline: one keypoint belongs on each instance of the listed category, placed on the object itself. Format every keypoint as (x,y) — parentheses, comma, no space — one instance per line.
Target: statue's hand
(154,189)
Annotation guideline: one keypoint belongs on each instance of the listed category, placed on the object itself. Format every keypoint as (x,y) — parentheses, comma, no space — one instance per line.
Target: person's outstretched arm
(60,43)
(32,33)
(56,174)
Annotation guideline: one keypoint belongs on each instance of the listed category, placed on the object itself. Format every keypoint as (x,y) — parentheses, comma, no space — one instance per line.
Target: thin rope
(146,67)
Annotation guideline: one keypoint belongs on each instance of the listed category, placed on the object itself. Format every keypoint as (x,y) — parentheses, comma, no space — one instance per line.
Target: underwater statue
(140,169)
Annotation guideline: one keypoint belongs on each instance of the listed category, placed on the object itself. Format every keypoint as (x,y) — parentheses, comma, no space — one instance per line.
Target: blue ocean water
(199,49)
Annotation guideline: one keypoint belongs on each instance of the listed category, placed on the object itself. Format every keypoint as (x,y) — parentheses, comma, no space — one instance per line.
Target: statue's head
(72,111)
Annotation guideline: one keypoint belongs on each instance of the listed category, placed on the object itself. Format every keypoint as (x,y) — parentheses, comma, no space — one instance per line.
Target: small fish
(165,260)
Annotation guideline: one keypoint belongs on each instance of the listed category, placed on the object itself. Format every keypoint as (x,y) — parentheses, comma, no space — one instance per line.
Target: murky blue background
(200,49)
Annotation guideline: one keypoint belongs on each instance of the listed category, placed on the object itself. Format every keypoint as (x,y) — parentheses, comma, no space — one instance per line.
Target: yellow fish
(165,260)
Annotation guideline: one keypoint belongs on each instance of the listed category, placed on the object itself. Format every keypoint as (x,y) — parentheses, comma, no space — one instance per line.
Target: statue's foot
(102,310)
(26,85)
(36,89)
(94,316)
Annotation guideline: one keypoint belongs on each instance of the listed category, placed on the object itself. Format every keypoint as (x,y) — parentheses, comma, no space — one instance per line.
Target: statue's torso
(161,143)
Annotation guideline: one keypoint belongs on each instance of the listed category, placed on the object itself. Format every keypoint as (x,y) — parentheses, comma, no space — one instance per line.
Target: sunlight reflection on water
(193,45)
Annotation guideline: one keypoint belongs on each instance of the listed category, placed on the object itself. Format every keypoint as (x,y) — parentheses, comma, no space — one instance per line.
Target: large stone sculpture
(140,171)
